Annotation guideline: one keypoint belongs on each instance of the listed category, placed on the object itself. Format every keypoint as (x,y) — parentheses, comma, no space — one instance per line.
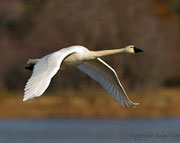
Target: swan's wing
(108,79)
(43,71)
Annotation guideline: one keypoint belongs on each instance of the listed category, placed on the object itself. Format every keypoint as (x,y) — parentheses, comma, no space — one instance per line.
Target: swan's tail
(30,64)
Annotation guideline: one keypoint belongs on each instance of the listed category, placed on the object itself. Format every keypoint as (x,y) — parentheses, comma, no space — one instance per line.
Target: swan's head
(132,49)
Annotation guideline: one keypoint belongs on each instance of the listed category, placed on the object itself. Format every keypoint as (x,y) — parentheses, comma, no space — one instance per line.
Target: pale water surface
(90,131)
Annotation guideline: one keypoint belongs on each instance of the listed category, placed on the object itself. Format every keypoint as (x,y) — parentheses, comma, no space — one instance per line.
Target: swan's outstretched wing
(43,71)
(107,77)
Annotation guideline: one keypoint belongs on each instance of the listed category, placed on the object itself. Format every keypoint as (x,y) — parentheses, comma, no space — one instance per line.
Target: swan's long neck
(78,58)
(102,53)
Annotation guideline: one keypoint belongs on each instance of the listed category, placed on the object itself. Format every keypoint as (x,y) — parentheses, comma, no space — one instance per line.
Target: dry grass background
(34,28)
(91,104)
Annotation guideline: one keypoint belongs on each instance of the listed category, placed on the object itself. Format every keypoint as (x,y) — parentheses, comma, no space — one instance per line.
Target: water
(90,131)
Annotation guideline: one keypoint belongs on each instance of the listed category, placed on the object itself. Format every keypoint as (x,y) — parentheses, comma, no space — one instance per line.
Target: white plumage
(87,61)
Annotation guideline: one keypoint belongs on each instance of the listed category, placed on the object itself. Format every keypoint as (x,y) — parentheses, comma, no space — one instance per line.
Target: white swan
(85,60)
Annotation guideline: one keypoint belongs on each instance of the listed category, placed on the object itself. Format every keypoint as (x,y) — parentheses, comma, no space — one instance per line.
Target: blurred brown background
(34,28)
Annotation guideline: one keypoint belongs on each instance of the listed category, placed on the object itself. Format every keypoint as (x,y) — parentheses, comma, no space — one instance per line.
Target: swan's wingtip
(135,105)
(25,99)
(132,104)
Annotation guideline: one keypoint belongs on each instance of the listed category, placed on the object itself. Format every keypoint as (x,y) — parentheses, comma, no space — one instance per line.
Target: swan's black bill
(136,50)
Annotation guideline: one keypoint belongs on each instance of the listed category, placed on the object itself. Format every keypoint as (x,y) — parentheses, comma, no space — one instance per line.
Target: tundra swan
(85,60)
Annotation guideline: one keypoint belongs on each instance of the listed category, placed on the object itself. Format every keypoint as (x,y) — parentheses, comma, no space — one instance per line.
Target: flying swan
(85,60)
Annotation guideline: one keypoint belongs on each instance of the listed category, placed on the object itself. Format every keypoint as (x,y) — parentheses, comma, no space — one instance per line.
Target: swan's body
(87,61)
